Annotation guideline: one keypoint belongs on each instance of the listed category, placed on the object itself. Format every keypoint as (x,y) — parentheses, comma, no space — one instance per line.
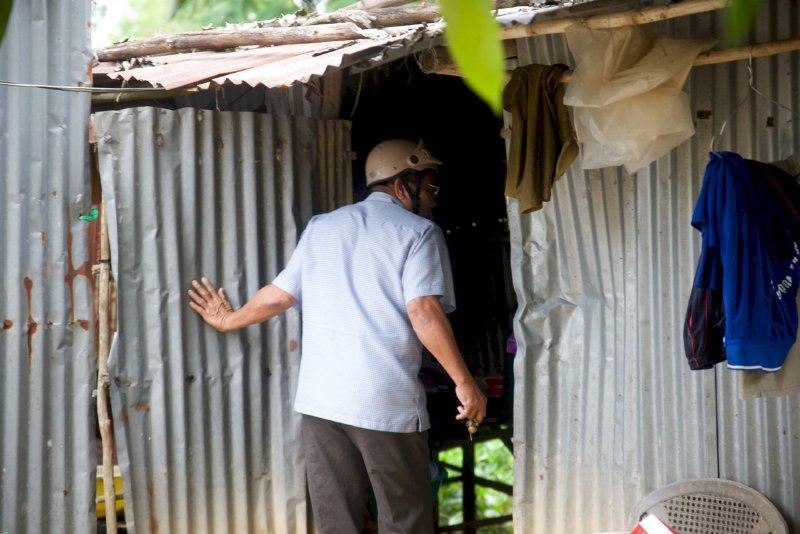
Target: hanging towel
(542,143)
(626,92)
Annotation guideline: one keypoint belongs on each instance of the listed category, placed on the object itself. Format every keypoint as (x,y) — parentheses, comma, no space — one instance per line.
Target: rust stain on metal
(33,326)
(151,502)
(66,493)
(142,407)
(124,416)
(292,345)
(84,269)
(43,237)
(7,324)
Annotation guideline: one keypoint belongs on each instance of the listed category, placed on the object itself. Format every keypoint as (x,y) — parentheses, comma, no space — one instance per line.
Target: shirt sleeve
(290,278)
(427,270)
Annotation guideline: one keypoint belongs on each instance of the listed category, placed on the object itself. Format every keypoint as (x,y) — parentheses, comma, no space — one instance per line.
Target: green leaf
(741,17)
(473,37)
(5,15)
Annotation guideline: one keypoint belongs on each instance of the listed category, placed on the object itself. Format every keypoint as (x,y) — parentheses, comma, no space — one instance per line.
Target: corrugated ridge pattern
(47,449)
(207,437)
(606,409)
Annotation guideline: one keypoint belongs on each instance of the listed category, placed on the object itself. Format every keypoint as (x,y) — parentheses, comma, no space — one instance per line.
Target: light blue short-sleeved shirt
(353,272)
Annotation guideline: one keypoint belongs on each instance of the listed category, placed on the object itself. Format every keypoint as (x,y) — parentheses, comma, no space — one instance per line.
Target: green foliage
(450,508)
(333,5)
(147,18)
(233,10)
(5,15)
(473,38)
(741,17)
(492,461)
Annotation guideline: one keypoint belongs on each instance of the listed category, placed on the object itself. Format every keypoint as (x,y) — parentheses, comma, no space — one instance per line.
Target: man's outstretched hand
(210,302)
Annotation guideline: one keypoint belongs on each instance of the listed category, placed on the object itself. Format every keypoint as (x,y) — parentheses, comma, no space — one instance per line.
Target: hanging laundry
(704,329)
(748,214)
(542,145)
(626,91)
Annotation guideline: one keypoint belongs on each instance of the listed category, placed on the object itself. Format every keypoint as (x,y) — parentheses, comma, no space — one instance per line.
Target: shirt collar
(380,196)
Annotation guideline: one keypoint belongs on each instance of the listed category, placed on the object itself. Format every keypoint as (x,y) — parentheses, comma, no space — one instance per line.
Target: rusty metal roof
(285,65)
(275,66)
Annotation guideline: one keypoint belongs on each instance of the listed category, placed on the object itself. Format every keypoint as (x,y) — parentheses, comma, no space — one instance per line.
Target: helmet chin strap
(413,194)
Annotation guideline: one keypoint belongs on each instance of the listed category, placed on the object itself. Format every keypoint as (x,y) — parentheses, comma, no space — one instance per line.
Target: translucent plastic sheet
(629,108)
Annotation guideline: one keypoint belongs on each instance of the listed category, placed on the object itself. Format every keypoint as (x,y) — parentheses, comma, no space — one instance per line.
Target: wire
(751,83)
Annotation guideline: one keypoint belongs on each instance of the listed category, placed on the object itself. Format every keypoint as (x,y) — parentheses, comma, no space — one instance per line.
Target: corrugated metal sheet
(208,440)
(277,66)
(47,446)
(606,409)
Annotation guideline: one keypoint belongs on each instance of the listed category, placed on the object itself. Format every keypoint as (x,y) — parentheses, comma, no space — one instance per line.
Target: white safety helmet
(389,158)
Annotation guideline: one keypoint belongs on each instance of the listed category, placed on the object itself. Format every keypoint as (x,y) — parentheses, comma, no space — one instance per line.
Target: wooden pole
(614,20)
(379,18)
(437,60)
(746,52)
(103,283)
(230,38)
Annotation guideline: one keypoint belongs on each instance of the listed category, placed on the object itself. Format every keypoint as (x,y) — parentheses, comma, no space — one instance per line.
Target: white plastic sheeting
(206,434)
(47,446)
(606,408)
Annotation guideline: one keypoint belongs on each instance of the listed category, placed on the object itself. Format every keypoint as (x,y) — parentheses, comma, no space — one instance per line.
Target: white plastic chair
(711,506)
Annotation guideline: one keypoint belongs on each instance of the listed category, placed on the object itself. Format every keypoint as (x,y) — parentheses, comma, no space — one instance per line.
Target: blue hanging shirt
(749,252)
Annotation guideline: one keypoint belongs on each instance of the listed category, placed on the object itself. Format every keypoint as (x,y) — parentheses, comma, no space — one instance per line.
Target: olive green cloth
(542,145)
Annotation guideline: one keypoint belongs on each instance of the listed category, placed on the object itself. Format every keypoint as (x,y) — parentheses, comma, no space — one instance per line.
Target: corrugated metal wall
(606,409)
(207,438)
(47,446)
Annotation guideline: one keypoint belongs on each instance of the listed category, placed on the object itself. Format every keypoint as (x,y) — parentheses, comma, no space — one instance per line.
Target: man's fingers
(200,289)
(473,413)
(209,286)
(196,298)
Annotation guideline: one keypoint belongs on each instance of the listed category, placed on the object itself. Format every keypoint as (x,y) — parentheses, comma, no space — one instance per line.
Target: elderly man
(373,282)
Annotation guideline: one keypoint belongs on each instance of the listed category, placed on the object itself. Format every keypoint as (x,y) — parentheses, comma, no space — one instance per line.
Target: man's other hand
(210,302)
(473,402)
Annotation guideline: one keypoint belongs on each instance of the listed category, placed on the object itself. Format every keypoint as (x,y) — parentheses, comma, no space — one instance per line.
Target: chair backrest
(711,506)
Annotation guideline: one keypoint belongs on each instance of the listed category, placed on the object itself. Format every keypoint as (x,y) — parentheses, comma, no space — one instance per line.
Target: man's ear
(399,190)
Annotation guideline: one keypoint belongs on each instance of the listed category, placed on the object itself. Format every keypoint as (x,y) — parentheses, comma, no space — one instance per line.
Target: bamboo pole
(746,52)
(437,60)
(104,281)
(614,20)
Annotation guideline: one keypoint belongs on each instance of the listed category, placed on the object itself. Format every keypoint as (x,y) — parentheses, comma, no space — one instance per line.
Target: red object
(494,386)
(652,525)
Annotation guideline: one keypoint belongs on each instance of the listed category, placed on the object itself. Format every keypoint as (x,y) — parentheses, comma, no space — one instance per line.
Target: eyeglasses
(434,189)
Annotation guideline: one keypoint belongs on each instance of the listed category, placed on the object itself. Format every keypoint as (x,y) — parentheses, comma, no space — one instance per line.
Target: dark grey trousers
(342,461)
